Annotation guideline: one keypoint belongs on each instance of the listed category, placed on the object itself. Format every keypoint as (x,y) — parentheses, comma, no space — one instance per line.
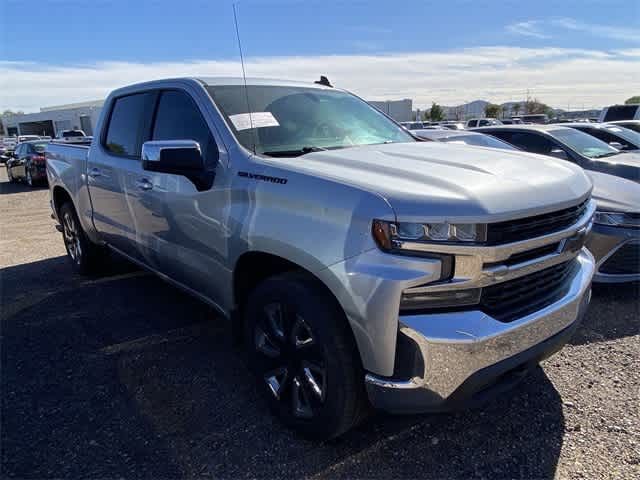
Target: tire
(29,177)
(302,351)
(85,256)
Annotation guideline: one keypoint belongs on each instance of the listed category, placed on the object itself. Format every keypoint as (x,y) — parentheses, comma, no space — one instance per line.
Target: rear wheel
(304,356)
(29,177)
(86,257)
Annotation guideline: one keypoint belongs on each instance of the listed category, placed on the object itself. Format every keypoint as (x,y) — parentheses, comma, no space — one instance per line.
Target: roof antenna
(323,81)
(244,77)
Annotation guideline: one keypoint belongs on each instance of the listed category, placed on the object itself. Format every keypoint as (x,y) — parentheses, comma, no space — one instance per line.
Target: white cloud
(529,28)
(607,31)
(498,74)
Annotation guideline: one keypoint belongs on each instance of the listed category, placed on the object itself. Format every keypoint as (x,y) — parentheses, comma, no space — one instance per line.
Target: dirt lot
(124,376)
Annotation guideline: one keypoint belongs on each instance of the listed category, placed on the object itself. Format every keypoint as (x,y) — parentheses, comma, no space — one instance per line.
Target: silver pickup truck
(360,266)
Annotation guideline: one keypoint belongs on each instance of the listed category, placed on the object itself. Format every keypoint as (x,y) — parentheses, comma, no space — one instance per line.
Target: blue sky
(88,37)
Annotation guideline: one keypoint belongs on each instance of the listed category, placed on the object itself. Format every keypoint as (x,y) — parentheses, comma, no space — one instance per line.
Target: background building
(399,110)
(51,120)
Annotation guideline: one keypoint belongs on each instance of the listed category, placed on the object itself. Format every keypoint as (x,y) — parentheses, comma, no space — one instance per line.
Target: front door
(181,231)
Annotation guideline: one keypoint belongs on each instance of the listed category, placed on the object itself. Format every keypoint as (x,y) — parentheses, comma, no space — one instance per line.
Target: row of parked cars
(610,153)
(24,157)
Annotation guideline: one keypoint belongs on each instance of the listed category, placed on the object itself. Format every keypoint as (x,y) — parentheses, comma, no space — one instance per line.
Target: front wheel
(304,356)
(86,257)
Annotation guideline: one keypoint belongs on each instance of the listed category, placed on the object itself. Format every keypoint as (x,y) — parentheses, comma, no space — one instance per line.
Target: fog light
(415,299)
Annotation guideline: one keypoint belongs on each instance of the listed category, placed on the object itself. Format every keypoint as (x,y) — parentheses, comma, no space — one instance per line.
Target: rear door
(114,168)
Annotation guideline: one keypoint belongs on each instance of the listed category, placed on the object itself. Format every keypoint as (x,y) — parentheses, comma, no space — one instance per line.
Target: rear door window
(531,142)
(178,118)
(129,124)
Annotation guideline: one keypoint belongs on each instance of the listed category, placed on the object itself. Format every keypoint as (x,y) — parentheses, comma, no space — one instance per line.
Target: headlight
(392,236)
(617,219)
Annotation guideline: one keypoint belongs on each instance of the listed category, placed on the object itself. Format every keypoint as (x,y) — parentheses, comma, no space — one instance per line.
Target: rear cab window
(129,124)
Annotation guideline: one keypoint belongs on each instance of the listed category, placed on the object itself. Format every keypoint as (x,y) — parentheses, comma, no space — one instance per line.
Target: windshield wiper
(294,153)
(608,154)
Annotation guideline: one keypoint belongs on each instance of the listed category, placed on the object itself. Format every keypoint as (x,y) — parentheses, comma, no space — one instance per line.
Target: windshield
(630,126)
(479,141)
(629,135)
(583,143)
(291,121)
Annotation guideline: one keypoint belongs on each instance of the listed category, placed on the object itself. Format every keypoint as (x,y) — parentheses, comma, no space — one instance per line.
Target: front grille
(516,298)
(625,261)
(531,227)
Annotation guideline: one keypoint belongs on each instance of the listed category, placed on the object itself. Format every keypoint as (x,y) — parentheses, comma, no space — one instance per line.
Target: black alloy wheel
(302,351)
(71,235)
(293,364)
(86,256)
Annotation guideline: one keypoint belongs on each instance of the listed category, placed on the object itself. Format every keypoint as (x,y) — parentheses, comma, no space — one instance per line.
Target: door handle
(94,172)
(144,184)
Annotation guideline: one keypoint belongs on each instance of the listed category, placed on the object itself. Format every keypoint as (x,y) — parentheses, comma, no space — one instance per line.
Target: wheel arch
(60,196)
(253,267)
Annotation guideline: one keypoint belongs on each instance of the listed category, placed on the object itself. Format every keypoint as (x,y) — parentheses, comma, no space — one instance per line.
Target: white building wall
(62,118)
(399,110)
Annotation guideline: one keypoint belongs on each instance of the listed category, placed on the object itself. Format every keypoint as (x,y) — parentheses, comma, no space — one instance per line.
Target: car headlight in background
(617,219)
(392,236)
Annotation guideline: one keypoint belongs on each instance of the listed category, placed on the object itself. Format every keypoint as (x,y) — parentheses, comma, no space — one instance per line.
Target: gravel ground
(124,376)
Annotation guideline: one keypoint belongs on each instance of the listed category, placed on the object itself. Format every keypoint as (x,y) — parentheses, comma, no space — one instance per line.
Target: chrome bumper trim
(455,346)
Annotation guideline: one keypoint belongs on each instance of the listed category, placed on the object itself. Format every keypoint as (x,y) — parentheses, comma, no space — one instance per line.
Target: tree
(536,107)
(7,113)
(436,113)
(516,109)
(634,99)
(492,110)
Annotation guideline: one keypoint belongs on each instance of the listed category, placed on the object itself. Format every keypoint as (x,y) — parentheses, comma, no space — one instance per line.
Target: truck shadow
(124,375)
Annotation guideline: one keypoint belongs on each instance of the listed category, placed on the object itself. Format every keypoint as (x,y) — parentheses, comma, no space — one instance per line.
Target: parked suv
(360,265)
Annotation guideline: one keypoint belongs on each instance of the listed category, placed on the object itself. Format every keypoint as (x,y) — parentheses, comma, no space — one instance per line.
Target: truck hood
(429,181)
(615,194)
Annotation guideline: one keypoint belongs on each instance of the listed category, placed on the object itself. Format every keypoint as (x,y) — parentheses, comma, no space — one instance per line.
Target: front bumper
(458,359)
(604,242)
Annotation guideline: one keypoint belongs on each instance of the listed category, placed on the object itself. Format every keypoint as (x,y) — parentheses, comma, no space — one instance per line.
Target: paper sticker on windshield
(243,121)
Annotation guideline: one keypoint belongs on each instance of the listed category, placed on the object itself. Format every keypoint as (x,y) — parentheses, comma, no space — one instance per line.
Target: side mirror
(180,157)
(616,145)
(559,154)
